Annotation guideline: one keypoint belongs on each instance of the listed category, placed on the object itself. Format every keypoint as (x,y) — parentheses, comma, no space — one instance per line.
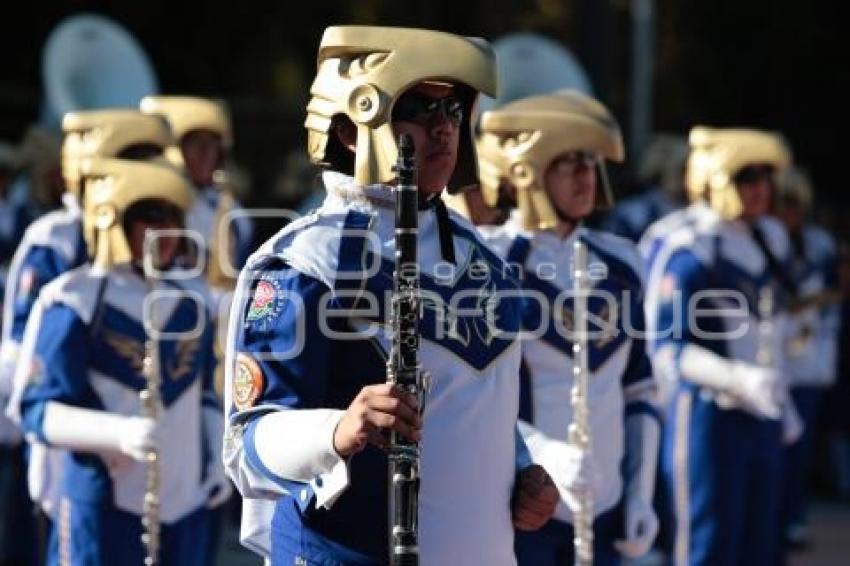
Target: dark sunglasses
(753,174)
(422,109)
(156,212)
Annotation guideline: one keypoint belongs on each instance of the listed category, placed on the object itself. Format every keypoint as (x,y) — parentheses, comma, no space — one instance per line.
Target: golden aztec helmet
(113,186)
(519,140)
(109,133)
(717,154)
(363,70)
(793,185)
(187,114)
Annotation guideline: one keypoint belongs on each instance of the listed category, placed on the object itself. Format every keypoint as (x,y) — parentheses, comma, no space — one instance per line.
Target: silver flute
(151,402)
(764,353)
(579,430)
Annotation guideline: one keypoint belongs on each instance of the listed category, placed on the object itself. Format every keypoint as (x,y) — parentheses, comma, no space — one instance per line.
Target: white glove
(641,523)
(572,470)
(139,436)
(762,391)
(89,430)
(792,424)
(641,528)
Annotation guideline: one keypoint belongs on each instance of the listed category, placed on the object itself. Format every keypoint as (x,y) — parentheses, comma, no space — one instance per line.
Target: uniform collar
(71,202)
(548,239)
(380,198)
(346,189)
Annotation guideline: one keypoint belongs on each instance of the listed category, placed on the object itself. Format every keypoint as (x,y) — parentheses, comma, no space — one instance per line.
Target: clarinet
(151,401)
(579,430)
(403,369)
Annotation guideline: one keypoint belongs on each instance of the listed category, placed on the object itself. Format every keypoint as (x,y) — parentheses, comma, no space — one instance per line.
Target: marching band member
(203,137)
(84,363)
(713,318)
(811,336)
(307,400)
(549,150)
(55,242)
(662,174)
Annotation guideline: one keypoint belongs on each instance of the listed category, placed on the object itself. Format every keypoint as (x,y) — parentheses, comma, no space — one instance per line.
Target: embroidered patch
(248,382)
(267,303)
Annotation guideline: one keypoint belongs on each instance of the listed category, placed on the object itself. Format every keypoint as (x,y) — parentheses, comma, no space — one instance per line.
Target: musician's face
(202,153)
(432,115)
(154,216)
(570,182)
(755,187)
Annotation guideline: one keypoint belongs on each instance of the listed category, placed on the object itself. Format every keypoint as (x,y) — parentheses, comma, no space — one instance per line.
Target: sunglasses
(570,161)
(156,213)
(422,109)
(753,174)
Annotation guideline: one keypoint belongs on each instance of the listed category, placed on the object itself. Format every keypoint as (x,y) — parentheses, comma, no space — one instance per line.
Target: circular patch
(248,382)
(266,304)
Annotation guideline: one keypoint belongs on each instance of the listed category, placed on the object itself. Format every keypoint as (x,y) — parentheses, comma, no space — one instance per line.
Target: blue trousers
(798,458)
(552,545)
(723,468)
(99,535)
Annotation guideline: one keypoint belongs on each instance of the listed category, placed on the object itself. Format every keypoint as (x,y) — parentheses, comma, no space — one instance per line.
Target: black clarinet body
(403,368)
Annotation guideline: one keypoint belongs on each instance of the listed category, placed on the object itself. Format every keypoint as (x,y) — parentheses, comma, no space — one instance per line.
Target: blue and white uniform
(810,341)
(51,245)
(83,348)
(631,217)
(698,215)
(204,216)
(721,461)
(622,387)
(291,373)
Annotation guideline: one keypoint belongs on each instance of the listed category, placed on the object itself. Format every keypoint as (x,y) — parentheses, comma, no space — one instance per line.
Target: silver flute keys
(764,354)
(579,430)
(151,402)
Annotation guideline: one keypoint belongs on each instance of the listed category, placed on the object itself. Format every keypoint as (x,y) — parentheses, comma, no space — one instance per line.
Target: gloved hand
(572,470)
(792,424)
(641,528)
(761,391)
(91,430)
(138,436)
